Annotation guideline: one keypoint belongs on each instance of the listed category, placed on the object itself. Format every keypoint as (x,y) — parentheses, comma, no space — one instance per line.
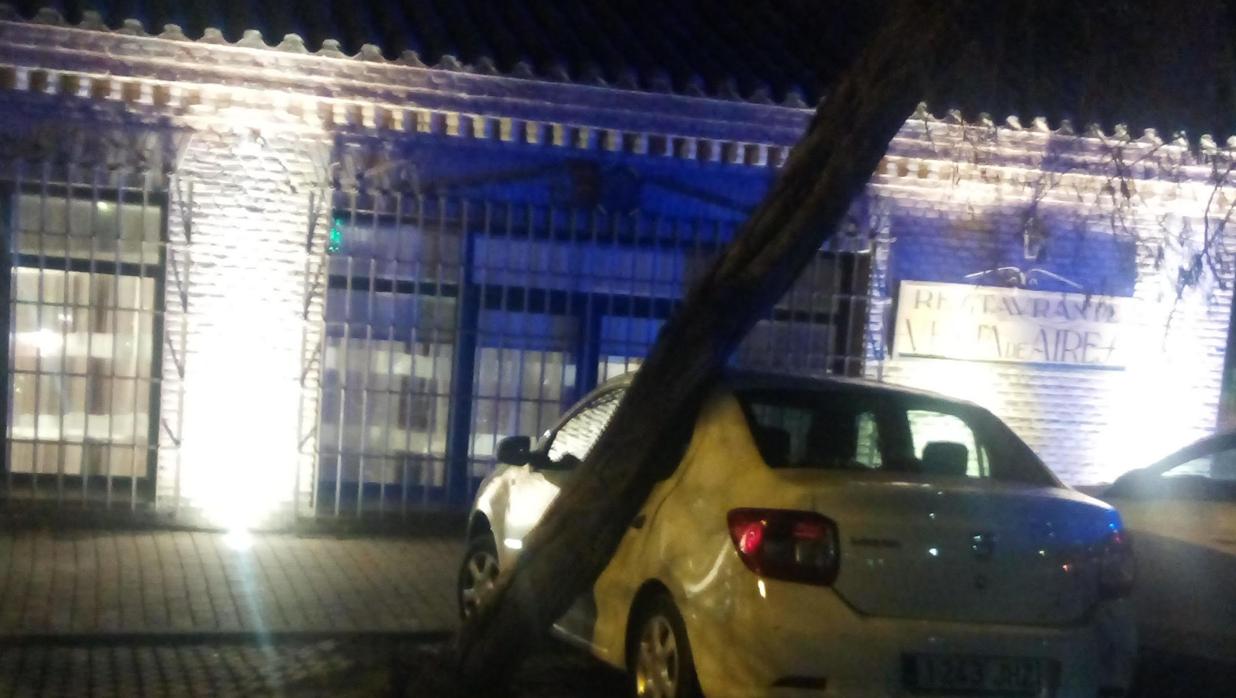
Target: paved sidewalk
(209,669)
(170,613)
(176,582)
(352,668)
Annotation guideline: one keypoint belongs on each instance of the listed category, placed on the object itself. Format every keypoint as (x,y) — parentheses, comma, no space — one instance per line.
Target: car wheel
(477,574)
(660,656)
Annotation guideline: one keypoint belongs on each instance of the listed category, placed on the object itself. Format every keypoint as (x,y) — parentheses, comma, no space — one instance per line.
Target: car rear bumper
(796,640)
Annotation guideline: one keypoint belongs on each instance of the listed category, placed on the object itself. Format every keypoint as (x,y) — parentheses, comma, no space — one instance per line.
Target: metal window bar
(456,442)
(447,324)
(385,462)
(490,402)
(8,221)
(178,261)
(432,457)
(68,353)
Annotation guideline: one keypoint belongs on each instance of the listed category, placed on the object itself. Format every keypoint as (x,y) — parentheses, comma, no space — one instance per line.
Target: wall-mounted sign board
(989,323)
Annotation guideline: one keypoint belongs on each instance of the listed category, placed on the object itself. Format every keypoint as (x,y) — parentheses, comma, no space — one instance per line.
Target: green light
(334,242)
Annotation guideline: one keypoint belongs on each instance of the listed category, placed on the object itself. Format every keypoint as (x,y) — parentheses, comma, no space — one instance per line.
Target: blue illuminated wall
(615,182)
(948,249)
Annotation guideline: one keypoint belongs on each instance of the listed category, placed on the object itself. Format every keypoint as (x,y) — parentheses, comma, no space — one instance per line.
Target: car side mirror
(515,450)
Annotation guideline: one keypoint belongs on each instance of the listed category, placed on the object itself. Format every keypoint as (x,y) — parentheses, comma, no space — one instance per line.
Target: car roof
(1203,446)
(770,380)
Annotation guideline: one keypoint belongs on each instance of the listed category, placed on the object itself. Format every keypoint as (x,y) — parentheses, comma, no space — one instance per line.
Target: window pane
(1219,466)
(814,436)
(861,431)
(780,346)
(624,344)
(25,395)
(525,371)
(51,290)
(868,440)
(385,387)
(77,359)
(1196,467)
(115,231)
(359,246)
(929,429)
(789,422)
(520,391)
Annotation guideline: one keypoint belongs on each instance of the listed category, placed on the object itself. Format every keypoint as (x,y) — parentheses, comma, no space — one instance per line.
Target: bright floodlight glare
(238,539)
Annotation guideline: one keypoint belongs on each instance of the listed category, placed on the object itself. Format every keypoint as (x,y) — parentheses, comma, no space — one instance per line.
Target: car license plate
(1002,676)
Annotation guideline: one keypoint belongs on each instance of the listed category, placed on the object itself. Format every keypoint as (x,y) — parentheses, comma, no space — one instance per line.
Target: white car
(834,538)
(1182,513)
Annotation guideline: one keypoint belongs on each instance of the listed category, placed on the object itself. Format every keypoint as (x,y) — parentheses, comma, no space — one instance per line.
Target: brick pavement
(168,613)
(208,669)
(84,582)
(174,613)
(343,668)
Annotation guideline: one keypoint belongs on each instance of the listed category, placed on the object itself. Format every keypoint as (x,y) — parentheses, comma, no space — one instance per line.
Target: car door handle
(638,521)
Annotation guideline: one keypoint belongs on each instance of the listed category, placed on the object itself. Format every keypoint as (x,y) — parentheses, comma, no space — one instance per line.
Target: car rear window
(859,431)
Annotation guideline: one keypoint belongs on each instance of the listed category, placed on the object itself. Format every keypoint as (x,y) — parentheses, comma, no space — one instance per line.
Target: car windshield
(867,431)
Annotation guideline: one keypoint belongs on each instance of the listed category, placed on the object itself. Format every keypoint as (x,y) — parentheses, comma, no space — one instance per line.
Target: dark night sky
(1162,63)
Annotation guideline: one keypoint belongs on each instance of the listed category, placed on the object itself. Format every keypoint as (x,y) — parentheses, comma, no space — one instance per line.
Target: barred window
(450,324)
(83,317)
(390,325)
(524,376)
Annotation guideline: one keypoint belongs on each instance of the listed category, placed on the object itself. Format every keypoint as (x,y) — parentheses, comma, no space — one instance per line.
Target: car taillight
(793,546)
(1117,566)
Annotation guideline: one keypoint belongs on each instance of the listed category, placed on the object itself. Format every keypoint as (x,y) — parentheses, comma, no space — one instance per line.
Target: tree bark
(849,134)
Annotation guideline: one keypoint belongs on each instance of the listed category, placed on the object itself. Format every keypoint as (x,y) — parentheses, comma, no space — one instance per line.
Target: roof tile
(1101,63)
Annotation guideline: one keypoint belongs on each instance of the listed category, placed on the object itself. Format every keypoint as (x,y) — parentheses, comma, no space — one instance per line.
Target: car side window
(931,430)
(859,430)
(1197,467)
(869,440)
(1220,465)
(829,436)
(579,433)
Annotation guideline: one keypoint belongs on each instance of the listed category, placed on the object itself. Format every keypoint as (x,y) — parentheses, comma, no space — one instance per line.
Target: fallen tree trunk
(848,136)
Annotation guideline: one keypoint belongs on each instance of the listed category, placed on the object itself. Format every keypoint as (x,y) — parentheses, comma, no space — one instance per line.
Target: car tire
(659,655)
(477,573)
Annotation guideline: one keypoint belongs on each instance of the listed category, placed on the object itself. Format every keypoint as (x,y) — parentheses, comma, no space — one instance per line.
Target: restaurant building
(271,267)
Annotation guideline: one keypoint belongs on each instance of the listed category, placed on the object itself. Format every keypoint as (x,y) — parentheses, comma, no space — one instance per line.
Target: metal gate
(448,324)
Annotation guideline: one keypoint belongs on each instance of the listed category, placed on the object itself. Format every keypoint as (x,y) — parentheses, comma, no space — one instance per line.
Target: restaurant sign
(988,323)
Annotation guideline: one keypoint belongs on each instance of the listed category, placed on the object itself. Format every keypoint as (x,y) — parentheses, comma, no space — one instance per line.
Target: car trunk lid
(965,550)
